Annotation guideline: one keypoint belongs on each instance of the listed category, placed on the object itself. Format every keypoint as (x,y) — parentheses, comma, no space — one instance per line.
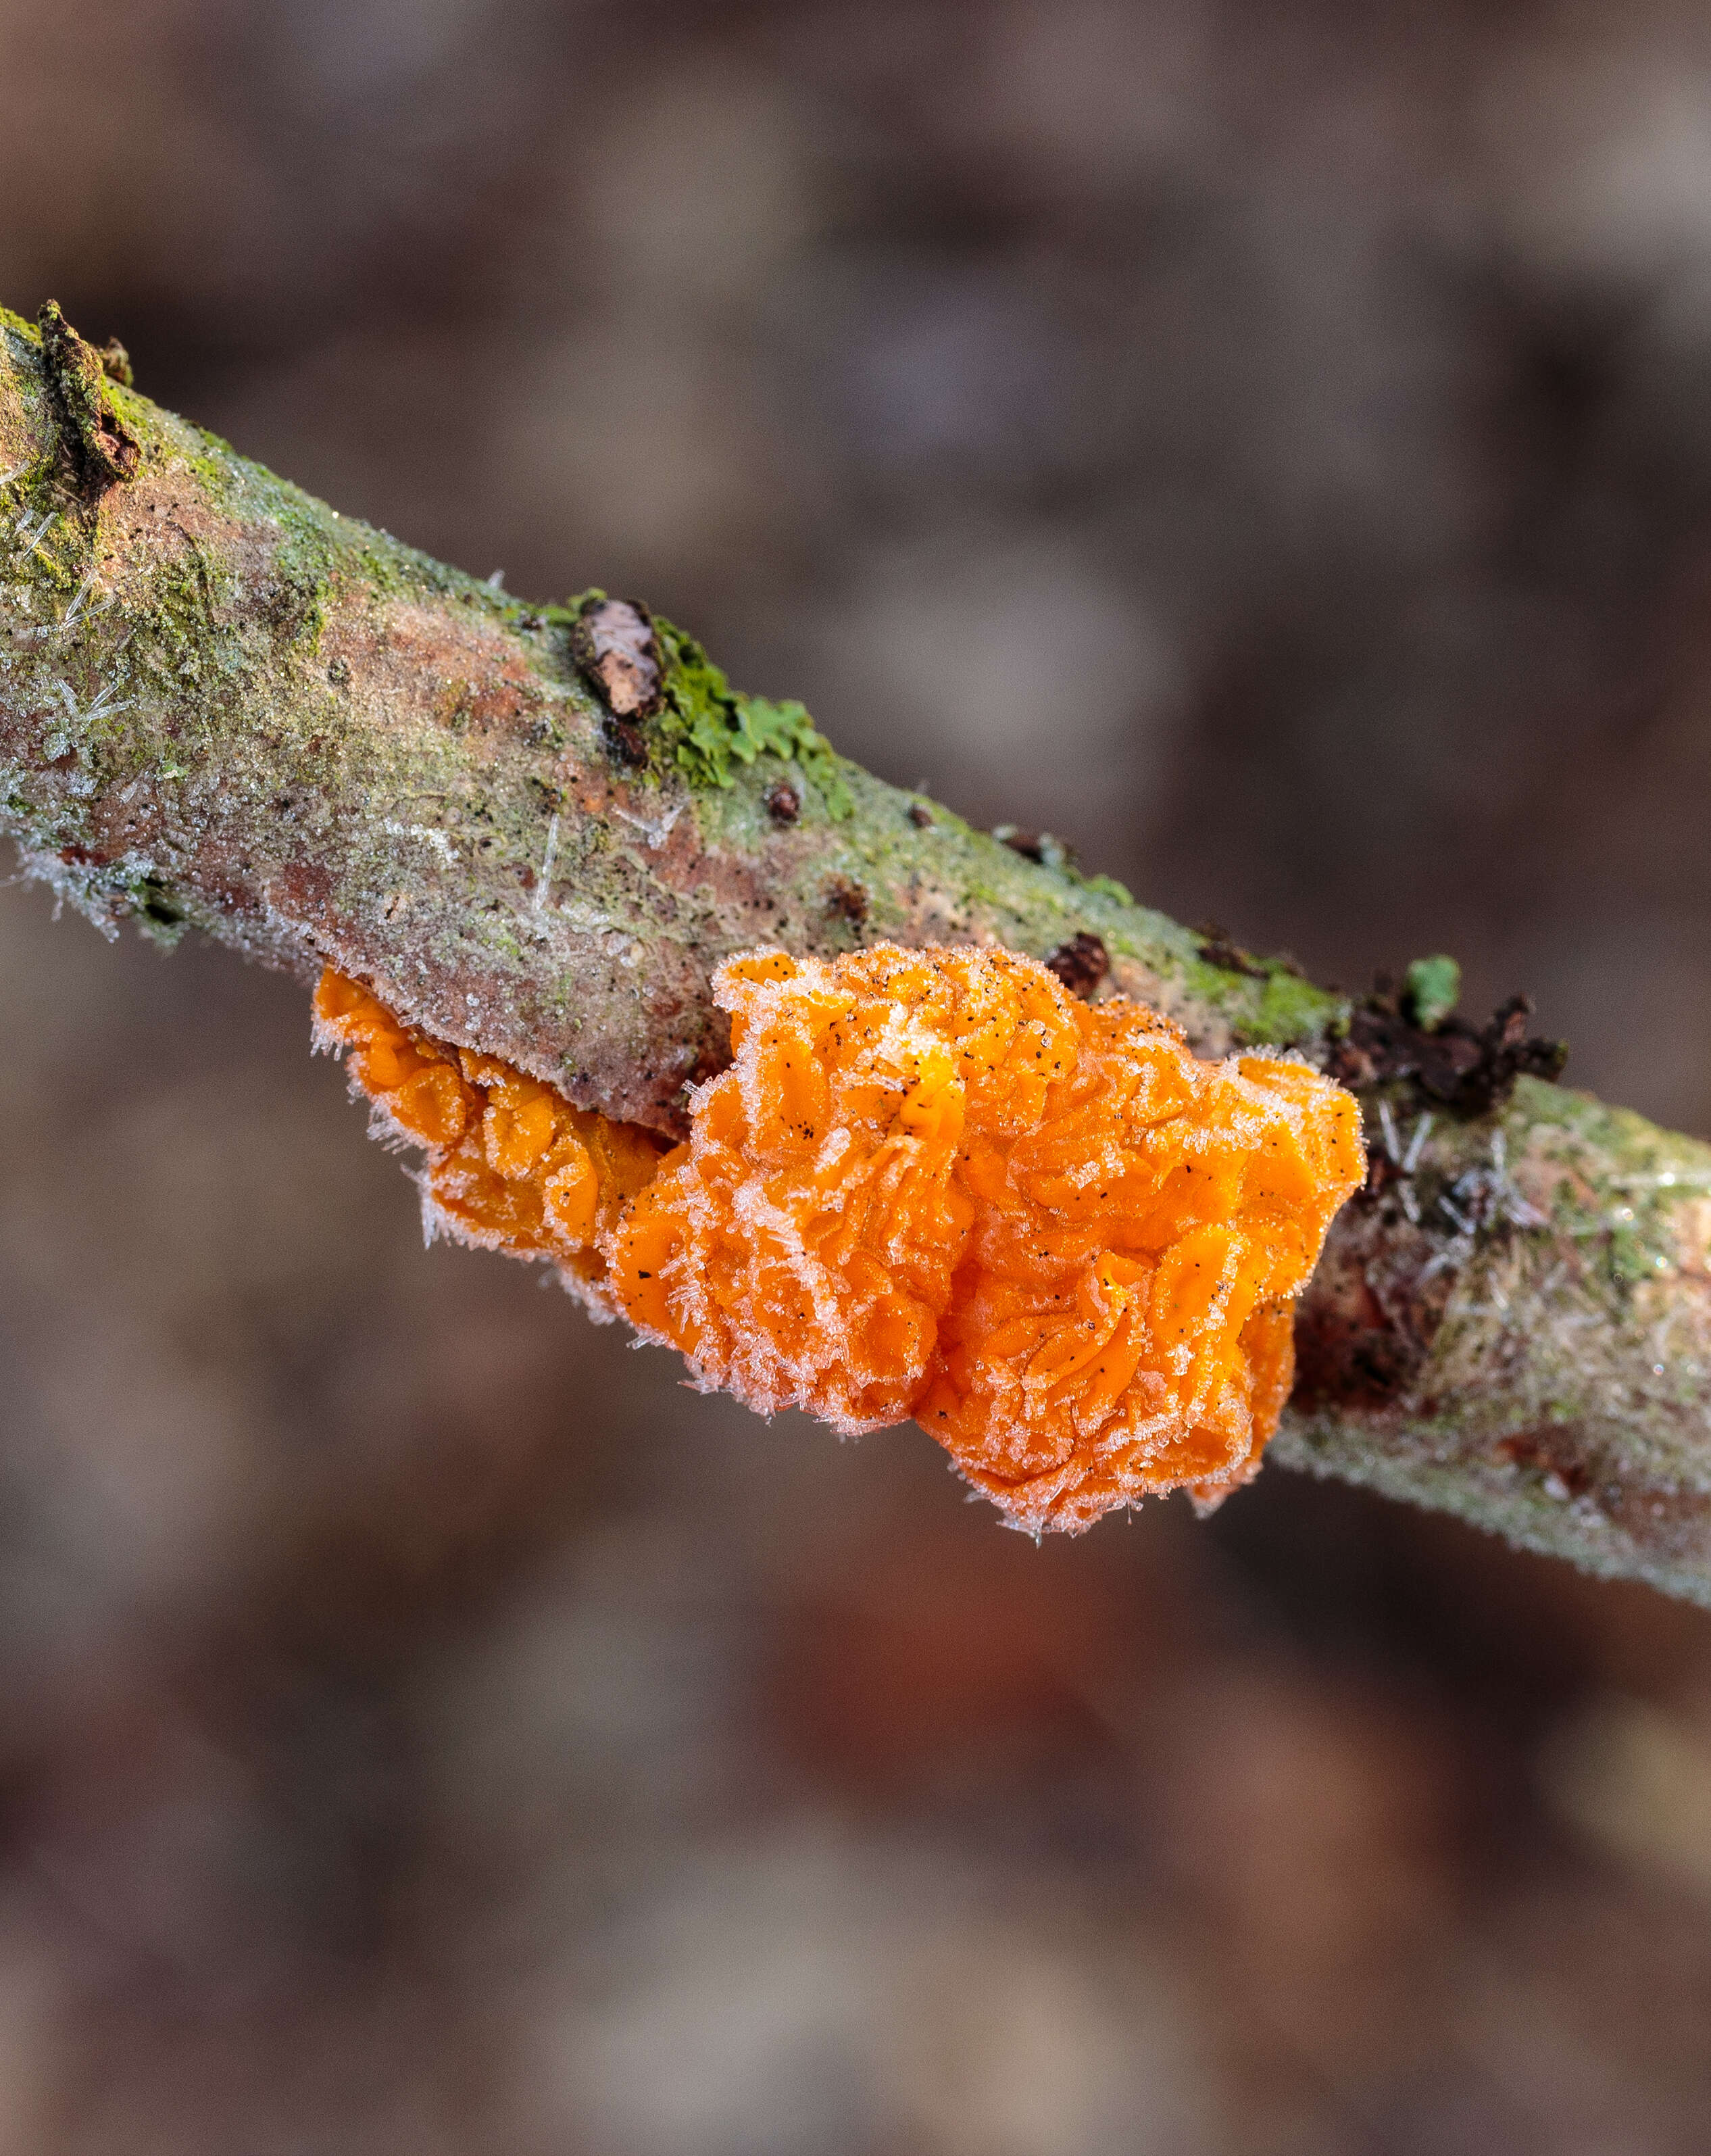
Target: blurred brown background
(423,1727)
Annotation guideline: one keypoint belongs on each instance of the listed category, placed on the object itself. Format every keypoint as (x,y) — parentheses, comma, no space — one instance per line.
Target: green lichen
(707,728)
(1291,1010)
(1431,990)
(1620,1184)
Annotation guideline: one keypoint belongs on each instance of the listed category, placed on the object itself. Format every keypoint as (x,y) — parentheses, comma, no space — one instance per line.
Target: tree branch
(536,830)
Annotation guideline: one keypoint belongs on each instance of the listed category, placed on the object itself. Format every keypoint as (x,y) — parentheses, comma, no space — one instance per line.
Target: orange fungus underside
(511,1165)
(934,1184)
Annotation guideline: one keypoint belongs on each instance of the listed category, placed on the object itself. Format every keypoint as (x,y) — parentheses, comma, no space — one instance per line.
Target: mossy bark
(223,706)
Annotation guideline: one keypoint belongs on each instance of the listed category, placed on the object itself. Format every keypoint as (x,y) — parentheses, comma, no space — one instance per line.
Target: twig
(291,731)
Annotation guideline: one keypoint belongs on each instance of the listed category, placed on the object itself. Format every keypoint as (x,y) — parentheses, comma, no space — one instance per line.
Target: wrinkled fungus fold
(511,1164)
(932,1183)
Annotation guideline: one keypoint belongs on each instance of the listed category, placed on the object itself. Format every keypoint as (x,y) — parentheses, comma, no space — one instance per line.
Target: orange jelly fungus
(511,1165)
(933,1183)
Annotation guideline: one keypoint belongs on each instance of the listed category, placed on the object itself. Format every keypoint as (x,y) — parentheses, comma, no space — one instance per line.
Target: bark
(535,829)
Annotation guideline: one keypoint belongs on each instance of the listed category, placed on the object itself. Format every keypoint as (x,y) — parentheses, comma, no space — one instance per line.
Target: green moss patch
(708,729)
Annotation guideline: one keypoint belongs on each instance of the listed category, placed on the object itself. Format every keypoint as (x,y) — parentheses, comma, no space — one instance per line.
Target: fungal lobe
(932,1183)
(511,1164)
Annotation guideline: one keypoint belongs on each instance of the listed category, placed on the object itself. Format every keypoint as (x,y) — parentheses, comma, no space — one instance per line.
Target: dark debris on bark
(1081,963)
(1470,1069)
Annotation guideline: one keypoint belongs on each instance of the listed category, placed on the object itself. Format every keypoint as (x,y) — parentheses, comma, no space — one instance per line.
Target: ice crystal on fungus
(932,1183)
(511,1165)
